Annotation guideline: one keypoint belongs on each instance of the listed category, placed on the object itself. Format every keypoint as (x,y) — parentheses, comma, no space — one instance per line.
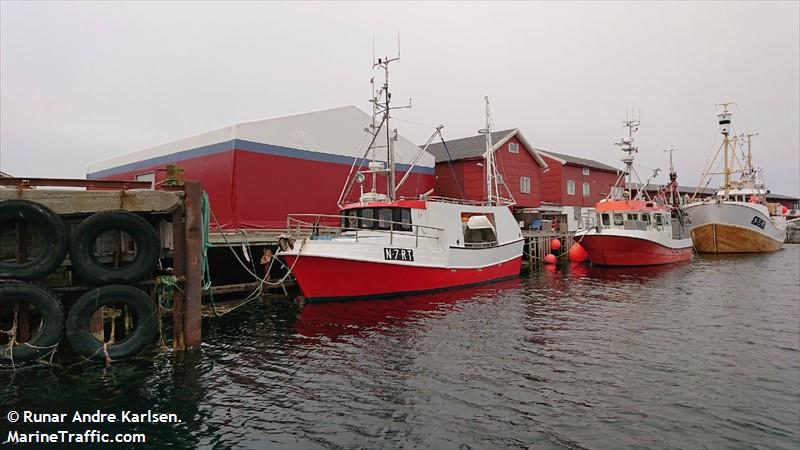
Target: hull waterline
(322,278)
(610,250)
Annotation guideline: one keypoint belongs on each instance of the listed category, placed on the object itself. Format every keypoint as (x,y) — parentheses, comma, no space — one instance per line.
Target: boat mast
(749,139)
(725,128)
(626,145)
(384,109)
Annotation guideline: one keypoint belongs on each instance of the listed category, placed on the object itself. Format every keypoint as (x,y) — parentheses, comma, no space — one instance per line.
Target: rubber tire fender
(81,250)
(48,335)
(145,316)
(55,237)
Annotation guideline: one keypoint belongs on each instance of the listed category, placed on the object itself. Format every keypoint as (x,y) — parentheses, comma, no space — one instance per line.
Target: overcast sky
(83,82)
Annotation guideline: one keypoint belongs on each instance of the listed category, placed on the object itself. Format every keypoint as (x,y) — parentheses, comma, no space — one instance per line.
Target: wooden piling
(179,270)
(192,320)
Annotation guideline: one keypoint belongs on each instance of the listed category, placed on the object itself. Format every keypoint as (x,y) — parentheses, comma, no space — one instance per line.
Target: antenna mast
(626,144)
(725,128)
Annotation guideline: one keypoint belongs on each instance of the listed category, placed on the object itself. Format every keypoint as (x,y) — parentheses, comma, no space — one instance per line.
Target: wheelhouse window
(659,219)
(402,215)
(385,218)
(633,217)
(513,147)
(367,214)
(618,219)
(350,220)
(525,185)
(570,187)
(606,219)
(646,218)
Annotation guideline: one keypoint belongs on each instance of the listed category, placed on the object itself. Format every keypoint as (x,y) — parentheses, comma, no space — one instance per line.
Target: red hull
(626,251)
(329,278)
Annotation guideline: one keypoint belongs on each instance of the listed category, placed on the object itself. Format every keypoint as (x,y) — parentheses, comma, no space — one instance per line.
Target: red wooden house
(573,181)
(460,169)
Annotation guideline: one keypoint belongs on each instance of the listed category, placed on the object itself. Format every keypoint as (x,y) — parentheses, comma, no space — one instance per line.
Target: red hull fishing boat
(383,245)
(632,229)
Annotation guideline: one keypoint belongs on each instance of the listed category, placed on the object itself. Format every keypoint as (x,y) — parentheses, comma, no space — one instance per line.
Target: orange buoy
(577,253)
(555,245)
(550,258)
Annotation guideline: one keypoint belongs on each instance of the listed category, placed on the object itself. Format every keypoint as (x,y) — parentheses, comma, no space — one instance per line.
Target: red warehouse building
(460,169)
(258,172)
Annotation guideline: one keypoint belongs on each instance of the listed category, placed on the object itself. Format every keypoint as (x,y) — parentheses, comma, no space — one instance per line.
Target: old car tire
(52,321)
(81,251)
(54,234)
(145,316)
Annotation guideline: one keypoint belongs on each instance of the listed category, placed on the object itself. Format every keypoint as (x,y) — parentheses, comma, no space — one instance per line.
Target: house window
(525,185)
(570,187)
(585,189)
(586,171)
(500,179)
(150,176)
(513,147)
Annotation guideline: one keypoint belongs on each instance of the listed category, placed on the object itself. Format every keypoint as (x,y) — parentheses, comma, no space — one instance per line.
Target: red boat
(637,231)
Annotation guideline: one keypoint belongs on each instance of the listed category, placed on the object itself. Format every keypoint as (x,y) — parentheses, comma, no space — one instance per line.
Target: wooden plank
(64,201)
(192,319)
(75,182)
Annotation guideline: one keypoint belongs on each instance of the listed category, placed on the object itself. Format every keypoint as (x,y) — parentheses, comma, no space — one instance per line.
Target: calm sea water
(698,355)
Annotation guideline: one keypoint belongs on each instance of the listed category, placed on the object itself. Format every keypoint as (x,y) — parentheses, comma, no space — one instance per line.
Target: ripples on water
(698,355)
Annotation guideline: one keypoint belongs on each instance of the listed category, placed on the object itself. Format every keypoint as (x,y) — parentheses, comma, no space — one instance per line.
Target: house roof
(574,160)
(332,134)
(475,147)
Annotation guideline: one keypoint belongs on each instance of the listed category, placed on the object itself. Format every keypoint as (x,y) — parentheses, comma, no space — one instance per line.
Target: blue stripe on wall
(239,144)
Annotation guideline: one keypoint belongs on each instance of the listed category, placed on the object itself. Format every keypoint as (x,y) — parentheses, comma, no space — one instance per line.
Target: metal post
(192,320)
(179,270)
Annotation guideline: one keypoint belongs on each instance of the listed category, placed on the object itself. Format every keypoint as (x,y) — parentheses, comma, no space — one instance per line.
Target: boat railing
(323,225)
(451,200)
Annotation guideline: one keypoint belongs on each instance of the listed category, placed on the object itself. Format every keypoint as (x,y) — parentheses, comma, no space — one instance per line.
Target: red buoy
(577,253)
(550,258)
(555,245)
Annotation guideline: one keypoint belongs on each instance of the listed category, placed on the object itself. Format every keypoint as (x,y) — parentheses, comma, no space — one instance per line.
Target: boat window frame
(621,220)
(381,221)
(370,222)
(659,220)
(606,219)
(646,218)
(405,225)
(632,216)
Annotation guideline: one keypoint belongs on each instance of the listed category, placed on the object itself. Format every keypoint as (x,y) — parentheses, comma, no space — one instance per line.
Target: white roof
(338,132)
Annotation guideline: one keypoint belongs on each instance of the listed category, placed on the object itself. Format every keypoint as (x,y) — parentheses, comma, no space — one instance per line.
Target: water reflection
(335,320)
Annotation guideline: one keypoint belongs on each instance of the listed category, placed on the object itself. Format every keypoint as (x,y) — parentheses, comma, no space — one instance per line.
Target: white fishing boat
(382,245)
(738,218)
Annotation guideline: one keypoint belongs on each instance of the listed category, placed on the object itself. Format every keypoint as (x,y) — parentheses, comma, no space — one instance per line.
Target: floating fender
(47,336)
(555,245)
(577,253)
(145,321)
(53,232)
(285,243)
(81,251)
(550,258)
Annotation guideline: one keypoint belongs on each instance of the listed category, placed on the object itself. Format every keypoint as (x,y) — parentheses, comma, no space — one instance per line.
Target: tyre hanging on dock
(82,248)
(45,317)
(143,314)
(53,234)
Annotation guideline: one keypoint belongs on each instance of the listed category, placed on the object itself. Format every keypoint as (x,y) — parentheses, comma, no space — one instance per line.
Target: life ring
(54,236)
(49,309)
(86,265)
(139,304)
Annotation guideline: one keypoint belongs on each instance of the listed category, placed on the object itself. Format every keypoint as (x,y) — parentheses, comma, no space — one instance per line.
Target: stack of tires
(20,283)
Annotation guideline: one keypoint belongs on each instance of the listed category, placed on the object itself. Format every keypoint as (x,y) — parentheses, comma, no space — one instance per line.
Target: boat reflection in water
(338,320)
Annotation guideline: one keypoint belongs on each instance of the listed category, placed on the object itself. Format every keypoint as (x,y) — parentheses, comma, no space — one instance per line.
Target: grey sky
(82,82)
